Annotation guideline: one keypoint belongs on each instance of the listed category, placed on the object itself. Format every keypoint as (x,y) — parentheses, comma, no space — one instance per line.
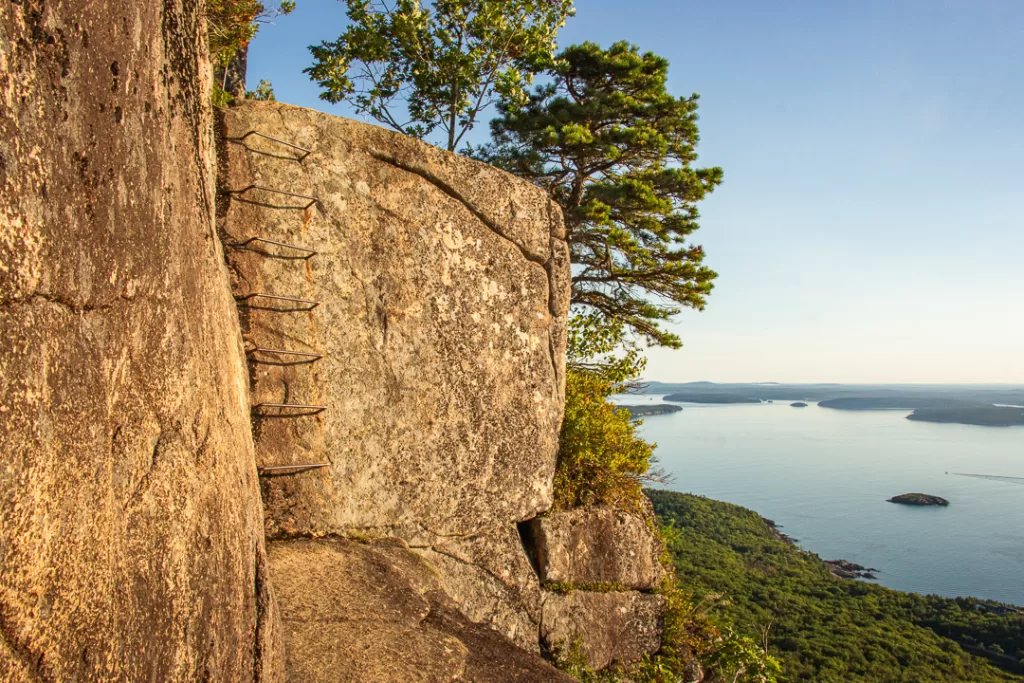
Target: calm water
(824,476)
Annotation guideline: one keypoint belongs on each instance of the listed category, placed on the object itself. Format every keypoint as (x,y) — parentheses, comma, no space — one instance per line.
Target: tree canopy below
(830,630)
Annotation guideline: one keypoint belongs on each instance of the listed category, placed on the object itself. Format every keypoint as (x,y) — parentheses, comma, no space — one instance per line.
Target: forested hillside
(825,629)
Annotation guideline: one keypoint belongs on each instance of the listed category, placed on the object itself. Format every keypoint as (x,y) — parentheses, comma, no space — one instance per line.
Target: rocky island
(798,404)
(918,499)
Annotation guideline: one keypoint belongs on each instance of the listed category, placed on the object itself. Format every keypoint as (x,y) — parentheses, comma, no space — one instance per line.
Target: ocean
(824,476)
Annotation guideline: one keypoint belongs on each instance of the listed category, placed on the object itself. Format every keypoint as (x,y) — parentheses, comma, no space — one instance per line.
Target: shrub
(601,459)
(231,24)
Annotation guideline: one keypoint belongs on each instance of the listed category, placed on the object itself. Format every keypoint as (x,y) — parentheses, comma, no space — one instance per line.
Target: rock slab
(596,545)
(377,613)
(441,287)
(131,544)
(438,291)
(610,628)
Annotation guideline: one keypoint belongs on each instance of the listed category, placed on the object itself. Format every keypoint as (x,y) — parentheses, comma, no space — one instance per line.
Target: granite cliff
(131,541)
(280,392)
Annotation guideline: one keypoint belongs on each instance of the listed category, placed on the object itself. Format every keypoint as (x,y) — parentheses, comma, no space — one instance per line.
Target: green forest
(822,628)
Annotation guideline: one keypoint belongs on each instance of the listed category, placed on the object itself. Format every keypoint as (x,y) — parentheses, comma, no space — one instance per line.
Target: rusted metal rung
(241,245)
(241,138)
(282,470)
(260,295)
(307,410)
(312,200)
(283,352)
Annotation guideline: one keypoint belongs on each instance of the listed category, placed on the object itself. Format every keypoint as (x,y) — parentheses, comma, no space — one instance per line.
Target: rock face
(131,543)
(438,294)
(376,613)
(490,576)
(596,545)
(443,287)
(610,628)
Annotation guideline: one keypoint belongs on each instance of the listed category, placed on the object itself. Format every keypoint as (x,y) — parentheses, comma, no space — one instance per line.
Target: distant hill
(986,416)
(897,402)
(650,409)
(699,397)
(904,396)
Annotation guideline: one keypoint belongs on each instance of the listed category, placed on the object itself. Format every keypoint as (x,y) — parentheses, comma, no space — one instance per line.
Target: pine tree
(615,149)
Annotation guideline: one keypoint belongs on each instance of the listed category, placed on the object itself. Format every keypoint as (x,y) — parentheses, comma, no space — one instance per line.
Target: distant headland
(984,416)
(985,405)
(651,409)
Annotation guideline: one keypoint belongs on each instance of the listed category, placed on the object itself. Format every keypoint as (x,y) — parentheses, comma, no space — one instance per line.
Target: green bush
(601,459)
(231,24)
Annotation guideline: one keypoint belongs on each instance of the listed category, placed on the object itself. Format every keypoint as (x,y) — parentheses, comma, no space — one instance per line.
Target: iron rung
(240,245)
(312,410)
(306,152)
(282,352)
(260,295)
(312,200)
(281,470)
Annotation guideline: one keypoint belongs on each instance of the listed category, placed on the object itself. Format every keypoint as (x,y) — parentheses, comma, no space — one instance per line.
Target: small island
(652,409)
(798,404)
(918,499)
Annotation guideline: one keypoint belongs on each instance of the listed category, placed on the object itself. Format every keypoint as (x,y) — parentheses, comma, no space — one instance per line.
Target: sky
(871,223)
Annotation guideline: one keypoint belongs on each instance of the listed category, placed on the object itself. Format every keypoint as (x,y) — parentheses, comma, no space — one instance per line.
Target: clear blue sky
(871,223)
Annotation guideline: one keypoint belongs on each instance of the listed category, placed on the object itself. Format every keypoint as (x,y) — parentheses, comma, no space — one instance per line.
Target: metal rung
(241,245)
(282,470)
(309,410)
(259,295)
(282,352)
(307,152)
(312,200)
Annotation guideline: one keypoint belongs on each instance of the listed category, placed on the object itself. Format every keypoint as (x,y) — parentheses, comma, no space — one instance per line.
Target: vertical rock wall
(130,522)
(437,298)
(441,290)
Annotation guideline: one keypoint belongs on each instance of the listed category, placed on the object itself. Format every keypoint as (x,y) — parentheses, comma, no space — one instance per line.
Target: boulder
(596,545)
(131,539)
(369,613)
(442,289)
(610,628)
(490,578)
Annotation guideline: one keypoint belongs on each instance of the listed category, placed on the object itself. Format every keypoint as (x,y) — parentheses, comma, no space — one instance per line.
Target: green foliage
(601,460)
(438,65)
(231,24)
(593,342)
(615,150)
(221,97)
(823,629)
(264,92)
